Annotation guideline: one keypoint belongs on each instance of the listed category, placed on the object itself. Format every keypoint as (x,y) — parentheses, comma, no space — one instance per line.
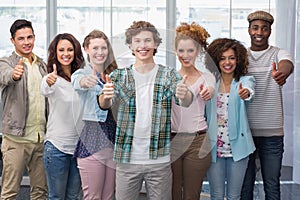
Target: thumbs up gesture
(52,77)
(90,80)
(184,95)
(278,76)
(244,93)
(181,89)
(18,71)
(108,89)
(205,93)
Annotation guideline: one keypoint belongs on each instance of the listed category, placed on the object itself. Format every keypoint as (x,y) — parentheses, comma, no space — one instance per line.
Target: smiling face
(259,32)
(187,52)
(143,47)
(98,52)
(227,62)
(23,42)
(65,53)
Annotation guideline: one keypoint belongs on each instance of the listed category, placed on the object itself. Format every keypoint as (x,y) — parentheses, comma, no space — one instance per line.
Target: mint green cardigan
(239,132)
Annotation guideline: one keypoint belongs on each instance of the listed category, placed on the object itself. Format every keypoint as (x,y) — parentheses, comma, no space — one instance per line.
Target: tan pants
(16,158)
(189,165)
(130,177)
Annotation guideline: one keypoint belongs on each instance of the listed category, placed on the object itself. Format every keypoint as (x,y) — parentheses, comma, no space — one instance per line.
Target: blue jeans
(225,169)
(62,174)
(270,152)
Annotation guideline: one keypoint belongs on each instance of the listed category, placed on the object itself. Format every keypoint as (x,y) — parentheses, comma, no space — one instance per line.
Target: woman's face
(65,53)
(227,62)
(98,52)
(187,52)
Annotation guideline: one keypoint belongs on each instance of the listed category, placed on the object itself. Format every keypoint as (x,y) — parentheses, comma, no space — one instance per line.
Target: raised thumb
(184,78)
(240,86)
(94,71)
(274,66)
(54,69)
(201,87)
(107,78)
(21,62)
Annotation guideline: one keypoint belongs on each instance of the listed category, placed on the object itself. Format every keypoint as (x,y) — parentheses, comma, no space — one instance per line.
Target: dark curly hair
(52,56)
(110,64)
(192,31)
(219,46)
(139,26)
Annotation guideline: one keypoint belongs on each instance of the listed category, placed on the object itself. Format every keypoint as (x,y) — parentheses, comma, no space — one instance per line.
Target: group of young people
(93,129)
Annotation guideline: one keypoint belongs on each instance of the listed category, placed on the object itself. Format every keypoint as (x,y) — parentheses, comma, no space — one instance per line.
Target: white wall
(296,157)
(285,39)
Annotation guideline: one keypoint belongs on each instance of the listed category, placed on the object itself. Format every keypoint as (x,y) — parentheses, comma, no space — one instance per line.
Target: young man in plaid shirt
(144,93)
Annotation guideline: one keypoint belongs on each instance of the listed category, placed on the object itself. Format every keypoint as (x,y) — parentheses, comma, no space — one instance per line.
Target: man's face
(259,32)
(24,42)
(143,46)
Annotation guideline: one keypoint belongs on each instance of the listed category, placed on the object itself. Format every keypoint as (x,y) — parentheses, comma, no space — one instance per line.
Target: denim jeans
(63,177)
(225,169)
(270,152)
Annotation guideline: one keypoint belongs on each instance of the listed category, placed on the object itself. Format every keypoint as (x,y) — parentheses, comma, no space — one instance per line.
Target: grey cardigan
(14,95)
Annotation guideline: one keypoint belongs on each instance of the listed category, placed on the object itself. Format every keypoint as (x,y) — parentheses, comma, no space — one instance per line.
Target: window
(34,11)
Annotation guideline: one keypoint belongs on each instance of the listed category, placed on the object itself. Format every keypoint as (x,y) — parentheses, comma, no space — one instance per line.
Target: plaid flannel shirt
(164,90)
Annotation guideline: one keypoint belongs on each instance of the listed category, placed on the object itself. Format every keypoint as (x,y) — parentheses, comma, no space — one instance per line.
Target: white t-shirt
(64,121)
(144,83)
(282,54)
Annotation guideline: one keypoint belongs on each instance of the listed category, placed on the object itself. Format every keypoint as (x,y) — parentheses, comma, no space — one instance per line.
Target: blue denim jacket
(88,96)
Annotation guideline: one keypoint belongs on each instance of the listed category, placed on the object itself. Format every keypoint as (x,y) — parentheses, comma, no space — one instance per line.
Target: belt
(197,133)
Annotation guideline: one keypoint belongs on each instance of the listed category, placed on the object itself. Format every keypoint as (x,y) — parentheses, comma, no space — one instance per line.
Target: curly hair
(110,63)
(52,56)
(192,31)
(139,26)
(218,47)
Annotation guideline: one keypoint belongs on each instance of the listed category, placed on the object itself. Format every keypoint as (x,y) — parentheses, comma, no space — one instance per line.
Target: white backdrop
(287,37)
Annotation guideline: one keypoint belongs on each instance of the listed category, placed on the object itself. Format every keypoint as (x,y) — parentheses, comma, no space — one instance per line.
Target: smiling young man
(270,66)
(144,92)
(23,116)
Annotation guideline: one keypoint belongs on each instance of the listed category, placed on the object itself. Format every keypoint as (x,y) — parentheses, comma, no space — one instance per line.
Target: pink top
(191,119)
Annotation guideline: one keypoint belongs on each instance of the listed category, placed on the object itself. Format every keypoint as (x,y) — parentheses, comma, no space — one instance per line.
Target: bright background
(221,18)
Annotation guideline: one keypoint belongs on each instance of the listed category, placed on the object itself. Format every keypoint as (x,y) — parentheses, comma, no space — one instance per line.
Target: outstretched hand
(90,80)
(243,92)
(108,89)
(278,76)
(184,95)
(18,71)
(52,77)
(205,94)
(182,89)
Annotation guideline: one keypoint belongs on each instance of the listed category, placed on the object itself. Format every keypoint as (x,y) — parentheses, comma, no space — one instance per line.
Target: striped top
(265,113)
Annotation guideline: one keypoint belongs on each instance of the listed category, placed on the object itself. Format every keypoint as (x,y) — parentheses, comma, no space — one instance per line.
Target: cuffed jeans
(270,152)
(63,176)
(225,169)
